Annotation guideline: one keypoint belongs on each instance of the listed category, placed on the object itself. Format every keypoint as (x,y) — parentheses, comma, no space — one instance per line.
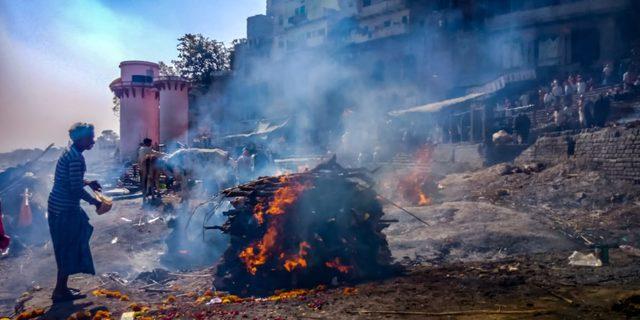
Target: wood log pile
(301,230)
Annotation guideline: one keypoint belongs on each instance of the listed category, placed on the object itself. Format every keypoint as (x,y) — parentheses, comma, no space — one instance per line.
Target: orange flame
(258,213)
(257,254)
(411,184)
(283,197)
(298,260)
(337,264)
(423,199)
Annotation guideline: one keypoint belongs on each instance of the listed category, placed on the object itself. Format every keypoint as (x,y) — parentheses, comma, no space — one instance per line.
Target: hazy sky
(57,58)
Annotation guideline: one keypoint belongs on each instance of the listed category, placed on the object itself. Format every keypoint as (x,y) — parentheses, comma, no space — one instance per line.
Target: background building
(316,61)
(150,107)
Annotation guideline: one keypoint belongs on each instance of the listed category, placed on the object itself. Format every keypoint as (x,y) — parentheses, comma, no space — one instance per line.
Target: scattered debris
(629,306)
(633,251)
(586,260)
(128,316)
(156,276)
(526,169)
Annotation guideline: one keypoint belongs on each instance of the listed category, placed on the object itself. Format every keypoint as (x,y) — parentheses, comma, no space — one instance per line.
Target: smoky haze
(57,61)
(41,97)
(337,96)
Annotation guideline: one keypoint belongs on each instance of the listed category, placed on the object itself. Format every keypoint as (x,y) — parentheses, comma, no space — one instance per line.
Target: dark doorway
(585,46)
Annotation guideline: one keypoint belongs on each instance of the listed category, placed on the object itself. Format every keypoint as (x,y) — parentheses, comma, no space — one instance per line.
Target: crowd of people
(568,101)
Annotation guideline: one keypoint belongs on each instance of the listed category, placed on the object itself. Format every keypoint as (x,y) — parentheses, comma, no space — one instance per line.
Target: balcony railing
(120,84)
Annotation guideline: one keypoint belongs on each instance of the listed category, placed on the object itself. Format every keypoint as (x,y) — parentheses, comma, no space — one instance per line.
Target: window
(405,19)
(549,52)
(387,23)
(366,3)
(141,79)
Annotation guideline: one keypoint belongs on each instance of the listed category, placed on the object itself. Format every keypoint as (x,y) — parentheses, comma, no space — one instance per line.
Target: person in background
(262,161)
(607,73)
(4,239)
(558,118)
(556,90)
(582,112)
(146,154)
(570,85)
(524,99)
(522,126)
(628,78)
(68,223)
(601,110)
(548,99)
(244,166)
(581,86)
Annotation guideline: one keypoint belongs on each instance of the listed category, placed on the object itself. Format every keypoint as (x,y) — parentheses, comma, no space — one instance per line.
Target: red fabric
(4,239)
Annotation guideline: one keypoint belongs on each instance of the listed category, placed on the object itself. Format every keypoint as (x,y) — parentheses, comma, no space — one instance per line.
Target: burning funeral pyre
(301,230)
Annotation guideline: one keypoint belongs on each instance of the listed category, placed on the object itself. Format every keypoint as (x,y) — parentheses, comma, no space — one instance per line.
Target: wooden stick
(190,275)
(403,209)
(567,300)
(150,285)
(451,313)
(157,290)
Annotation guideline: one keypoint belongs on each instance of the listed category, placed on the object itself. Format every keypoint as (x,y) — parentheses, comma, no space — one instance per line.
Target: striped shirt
(68,184)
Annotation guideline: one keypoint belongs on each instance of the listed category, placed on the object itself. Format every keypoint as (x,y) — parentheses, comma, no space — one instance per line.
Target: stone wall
(467,155)
(613,150)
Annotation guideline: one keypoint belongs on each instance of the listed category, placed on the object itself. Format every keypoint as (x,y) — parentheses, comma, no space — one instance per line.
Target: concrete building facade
(447,43)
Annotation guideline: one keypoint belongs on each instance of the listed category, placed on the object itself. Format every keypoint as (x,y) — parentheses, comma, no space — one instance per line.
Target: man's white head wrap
(80,130)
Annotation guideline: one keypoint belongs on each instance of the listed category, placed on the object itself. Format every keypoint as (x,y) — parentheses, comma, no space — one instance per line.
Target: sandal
(66,296)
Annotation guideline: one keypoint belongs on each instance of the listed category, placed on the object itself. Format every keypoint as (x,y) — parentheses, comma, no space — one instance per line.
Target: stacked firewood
(301,230)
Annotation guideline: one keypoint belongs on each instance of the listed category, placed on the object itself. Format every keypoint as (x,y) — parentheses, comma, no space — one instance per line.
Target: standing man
(68,223)
(148,176)
(522,125)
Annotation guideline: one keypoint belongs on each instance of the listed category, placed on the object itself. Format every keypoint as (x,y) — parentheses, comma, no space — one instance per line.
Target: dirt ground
(496,248)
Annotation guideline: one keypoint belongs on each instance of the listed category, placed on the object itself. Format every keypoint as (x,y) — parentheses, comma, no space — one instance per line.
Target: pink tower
(139,111)
(174,109)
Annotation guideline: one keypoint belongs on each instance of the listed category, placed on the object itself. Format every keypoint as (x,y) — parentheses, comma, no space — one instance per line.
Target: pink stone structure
(174,109)
(141,90)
